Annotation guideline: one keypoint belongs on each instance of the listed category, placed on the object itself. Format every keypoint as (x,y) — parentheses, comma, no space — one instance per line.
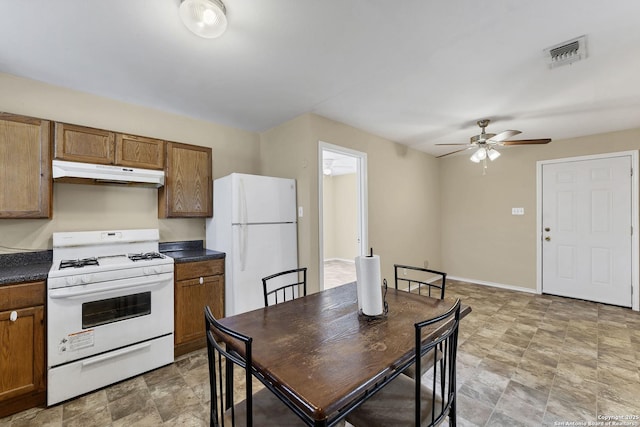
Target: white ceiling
(418,72)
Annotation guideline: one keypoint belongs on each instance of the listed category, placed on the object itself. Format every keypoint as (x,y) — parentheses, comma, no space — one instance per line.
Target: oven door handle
(114,354)
(62,293)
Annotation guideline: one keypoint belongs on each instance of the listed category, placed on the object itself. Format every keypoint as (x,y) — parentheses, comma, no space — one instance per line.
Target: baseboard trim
(352,261)
(494,285)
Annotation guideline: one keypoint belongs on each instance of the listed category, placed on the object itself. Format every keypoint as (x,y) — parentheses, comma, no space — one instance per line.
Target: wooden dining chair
(262,408)
(284,286)
(410,402)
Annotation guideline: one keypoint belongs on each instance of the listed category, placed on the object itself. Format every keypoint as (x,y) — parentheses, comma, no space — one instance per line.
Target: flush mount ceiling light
(205,18)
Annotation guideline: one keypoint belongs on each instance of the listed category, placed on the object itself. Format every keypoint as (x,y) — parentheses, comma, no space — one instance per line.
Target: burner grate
(78,263)
(144,256)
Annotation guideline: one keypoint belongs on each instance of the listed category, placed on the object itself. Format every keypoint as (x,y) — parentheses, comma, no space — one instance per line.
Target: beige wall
(82,207)
(481,240)
(404,185)
(340,216)
(443,212)
(328,242)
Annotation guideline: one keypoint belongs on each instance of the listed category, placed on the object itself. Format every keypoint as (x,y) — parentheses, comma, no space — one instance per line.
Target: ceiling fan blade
(504,135)
(453,152)
(455,144)
(527,141)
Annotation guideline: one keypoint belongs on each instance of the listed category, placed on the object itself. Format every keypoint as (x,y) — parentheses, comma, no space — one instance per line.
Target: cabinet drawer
(23,295)
(190,270)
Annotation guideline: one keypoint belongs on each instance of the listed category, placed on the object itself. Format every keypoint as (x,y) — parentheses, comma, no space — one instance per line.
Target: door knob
(548,239)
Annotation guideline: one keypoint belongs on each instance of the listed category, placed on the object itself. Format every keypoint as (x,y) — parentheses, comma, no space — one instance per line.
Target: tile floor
(338,272)
(524,360)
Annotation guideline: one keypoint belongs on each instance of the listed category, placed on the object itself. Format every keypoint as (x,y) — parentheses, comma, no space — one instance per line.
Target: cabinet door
(25,167)
(83,144)
(187,191)
(22,365)
(139,152)
(191,297)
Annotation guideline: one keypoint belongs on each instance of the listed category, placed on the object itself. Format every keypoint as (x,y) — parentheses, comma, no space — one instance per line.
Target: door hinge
(632,230)
(631,171)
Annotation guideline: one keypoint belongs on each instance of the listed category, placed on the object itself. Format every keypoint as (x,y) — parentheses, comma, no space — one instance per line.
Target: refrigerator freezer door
(258,251)
(262,199)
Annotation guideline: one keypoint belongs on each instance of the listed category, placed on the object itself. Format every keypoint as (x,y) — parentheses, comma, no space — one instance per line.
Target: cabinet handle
(13,316)
(201,280)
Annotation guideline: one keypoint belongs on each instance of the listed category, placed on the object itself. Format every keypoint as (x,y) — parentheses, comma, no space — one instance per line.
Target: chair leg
(452,413)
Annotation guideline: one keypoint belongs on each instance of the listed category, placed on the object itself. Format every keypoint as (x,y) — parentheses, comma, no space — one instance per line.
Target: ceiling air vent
(566,53)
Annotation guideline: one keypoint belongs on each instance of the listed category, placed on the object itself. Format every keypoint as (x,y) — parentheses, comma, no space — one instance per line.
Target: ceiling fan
(487,143)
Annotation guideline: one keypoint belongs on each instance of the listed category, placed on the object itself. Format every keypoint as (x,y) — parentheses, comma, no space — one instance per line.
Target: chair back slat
(284,286)
(422,281)
(443,381)
(222,359)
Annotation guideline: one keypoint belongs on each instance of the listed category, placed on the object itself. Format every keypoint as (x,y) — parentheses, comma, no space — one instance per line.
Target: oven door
(94,318)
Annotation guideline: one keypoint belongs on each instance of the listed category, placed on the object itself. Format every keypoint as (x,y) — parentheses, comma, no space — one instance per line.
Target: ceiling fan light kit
(487,143)
(204,18)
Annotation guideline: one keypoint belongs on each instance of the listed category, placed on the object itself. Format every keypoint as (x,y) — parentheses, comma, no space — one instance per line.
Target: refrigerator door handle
(244,234)
(242,200)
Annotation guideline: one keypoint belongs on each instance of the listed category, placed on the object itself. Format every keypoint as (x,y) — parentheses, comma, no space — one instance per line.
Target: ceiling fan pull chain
(484,166)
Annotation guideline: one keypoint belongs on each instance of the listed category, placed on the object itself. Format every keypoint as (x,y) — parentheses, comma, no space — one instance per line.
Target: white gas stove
(110,309)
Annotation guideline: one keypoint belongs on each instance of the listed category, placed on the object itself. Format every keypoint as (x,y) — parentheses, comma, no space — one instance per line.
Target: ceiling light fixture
(205,18)
(482,154)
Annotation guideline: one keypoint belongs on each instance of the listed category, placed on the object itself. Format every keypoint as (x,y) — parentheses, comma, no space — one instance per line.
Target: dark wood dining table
(323,358)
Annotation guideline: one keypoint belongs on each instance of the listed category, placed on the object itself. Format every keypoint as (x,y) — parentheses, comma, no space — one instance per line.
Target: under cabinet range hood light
(64,171)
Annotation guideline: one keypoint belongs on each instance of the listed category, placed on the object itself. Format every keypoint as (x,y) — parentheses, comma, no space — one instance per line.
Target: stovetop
(109,260)
(99,256)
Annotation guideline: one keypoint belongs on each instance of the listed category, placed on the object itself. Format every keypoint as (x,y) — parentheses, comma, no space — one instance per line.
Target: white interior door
(587,229)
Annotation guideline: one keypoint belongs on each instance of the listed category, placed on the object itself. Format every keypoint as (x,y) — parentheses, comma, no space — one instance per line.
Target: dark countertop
(189,251)
(34,266)
(24,267)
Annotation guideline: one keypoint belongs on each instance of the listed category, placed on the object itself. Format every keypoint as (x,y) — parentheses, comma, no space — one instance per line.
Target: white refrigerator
(254,223)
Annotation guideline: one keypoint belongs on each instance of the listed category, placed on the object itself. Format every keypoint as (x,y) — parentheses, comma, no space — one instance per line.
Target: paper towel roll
(369,285)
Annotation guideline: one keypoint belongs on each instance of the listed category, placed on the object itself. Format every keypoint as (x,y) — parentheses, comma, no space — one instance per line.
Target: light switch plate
(300,212)
(517,211)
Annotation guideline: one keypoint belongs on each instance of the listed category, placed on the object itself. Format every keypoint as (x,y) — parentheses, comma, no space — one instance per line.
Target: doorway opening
(342,193)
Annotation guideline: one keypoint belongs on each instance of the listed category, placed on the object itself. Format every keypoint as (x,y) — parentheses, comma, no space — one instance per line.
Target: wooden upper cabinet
(89,145)
(25,167)
(139,152)
(187,191)
(84,144)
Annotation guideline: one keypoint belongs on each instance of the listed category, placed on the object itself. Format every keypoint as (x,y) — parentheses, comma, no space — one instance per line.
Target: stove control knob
(72,280)
(85,279)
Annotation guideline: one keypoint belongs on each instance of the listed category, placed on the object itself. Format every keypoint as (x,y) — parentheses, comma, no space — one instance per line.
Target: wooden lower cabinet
(22,354)
(197,284)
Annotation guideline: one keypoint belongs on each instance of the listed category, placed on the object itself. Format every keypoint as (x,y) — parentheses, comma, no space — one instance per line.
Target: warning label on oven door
(78,341)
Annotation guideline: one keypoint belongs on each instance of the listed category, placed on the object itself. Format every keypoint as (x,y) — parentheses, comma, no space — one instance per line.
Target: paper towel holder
(385,305)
